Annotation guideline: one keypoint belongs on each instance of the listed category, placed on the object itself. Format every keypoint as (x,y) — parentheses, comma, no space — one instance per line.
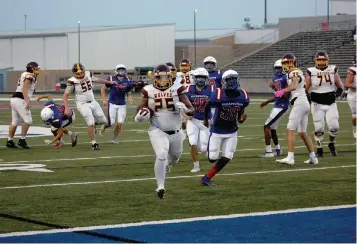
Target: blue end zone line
(231,216)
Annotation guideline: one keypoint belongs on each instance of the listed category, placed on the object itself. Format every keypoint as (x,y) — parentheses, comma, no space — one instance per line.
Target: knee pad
(333,133)
(319,126)
(319,136)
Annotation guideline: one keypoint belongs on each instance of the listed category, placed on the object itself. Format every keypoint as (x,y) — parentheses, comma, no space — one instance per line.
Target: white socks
(160,171)
(196,164)
(291,155)
(268,149)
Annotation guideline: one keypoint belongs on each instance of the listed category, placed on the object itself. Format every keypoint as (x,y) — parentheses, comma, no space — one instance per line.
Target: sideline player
(322,80)
(299,114)
(281,106)
(229,103)
(163,99)
(117,104)
(215,76)
(53,114)
(81,84)
(351,95)
(20,105)
(198,95)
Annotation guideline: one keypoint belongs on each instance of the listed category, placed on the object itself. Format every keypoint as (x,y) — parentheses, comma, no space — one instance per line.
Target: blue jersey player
(281,106)
(215,76)
(117,102)
(228,103)
(53,114)
(197,133)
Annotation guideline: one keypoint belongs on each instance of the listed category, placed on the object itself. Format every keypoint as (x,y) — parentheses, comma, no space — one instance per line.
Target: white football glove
(182,106)
(142,115)
(48,142)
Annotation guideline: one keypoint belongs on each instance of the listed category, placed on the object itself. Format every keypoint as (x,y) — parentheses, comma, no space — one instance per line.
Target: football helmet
(230,80)
(278,67)
(210,64)
(120,70)
(162,77)
(321,60)
(173,69)
(78,70)
(47,115)
(288,62)
(201,77)
(33,68)
(185,65)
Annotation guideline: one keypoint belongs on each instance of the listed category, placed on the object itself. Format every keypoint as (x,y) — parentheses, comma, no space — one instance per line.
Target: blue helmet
(230,80)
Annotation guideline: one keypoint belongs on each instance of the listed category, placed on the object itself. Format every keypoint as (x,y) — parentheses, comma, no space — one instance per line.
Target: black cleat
(11,144)
(332,148)
(160,193)
(320,152)
(22,143)
(74,138)
(95,146)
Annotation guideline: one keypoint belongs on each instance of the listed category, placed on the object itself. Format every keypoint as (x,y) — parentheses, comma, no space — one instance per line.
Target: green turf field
(116,185)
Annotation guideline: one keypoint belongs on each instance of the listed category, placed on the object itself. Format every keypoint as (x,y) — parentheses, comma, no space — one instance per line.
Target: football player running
(351,94)
(53,114)
(281,105)
(117,104)
(325,85)
(165,100)
(299,114)
(215,76)
(229,103)
(82,86)
(20,105)
(198,95)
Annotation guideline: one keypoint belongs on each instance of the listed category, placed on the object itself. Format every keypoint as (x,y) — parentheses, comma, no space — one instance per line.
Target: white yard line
(174,221)
(312,168)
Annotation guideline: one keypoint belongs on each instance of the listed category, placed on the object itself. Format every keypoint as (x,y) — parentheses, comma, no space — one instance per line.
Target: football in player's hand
(144,110)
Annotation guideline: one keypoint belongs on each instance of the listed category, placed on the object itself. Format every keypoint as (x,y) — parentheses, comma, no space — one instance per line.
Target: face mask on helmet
(201,81)
(210,66)
(121,72)
(288,65)
(79,74)
(231,83)
(173,71)
(321,63)
(278,70)
(184,68)
(163,82)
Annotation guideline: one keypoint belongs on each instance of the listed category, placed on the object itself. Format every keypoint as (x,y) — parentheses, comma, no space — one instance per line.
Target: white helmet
(230,80)
(122,72)
(278,63)
(201,76)
(210,63)
(47,114)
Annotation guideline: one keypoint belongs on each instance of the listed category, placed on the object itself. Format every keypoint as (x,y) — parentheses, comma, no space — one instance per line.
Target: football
(144,110)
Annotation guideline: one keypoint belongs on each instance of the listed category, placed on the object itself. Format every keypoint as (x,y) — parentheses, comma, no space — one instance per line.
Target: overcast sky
(50,14)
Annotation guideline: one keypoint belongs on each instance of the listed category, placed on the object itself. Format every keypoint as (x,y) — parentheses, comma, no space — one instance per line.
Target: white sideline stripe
(131,156)
(174,221)
(174,177)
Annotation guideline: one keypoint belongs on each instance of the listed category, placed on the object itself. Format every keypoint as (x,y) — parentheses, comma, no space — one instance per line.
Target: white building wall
(141,46)
(256,36)
(343,7)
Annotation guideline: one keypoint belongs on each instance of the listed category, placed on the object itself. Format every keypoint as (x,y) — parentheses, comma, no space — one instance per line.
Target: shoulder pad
(244,93)
(219,93)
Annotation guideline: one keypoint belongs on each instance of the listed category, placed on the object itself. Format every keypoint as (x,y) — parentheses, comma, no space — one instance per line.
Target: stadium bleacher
(337,43)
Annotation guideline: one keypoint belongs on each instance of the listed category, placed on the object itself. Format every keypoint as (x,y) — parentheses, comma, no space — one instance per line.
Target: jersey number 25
(164,103)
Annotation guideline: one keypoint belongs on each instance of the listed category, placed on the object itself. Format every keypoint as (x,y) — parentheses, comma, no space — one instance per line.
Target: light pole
(265,13)
(79,41)
(25,21)
(194,34)
(328,14)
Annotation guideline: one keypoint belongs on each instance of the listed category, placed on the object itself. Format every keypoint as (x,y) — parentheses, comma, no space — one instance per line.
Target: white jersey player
(322,81)
(82,86)
(299,113)
(20,104)
(351,94)
(164,100)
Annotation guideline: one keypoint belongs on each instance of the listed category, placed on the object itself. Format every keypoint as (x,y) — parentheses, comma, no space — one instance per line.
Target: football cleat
(74,137)
(206,182)
(95,146)
(195,170)
(22,143)
(114,142)
(58,144)
(332,148)
(320,152)
(160,192)
(278,152)
(311,160)
(267,155)
(11,144)
(287,160)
